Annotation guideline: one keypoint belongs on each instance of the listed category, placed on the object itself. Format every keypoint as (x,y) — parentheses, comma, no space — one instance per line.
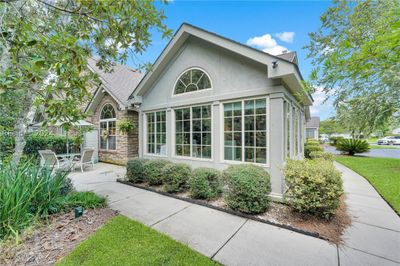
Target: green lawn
(384,147)
(383,173)
(125,242)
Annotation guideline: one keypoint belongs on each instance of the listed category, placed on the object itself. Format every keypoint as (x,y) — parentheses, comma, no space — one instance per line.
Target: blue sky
(242,21)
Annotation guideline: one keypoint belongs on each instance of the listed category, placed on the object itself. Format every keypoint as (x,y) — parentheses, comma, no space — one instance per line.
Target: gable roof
(313,122)
(120,83)
(289,56)
(284,68)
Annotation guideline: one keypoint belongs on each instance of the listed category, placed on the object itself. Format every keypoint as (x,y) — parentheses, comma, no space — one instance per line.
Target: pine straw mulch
(281,214)
(47,244)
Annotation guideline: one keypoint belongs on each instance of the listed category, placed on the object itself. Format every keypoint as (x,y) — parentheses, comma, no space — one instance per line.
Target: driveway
(386,153)
(233,240)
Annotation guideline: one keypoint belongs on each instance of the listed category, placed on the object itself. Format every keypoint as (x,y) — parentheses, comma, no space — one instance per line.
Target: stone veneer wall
(127,144)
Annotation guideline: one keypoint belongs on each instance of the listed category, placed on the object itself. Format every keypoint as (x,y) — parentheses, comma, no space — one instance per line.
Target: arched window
(192,80)
(108,128)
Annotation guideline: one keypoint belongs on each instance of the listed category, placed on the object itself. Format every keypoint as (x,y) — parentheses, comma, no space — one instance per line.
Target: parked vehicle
(390,140)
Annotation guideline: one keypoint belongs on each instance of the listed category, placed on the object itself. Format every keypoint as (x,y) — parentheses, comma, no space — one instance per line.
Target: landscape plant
(313,187)
(153,171)
(322,155)
(176,176)
(352,146)
(205,183)
(311,146)
(29,192)
(247,189)
(135,170)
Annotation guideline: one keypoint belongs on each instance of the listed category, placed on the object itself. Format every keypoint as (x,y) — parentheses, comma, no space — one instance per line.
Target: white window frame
(145,135)
(268,131)
(191,92)
(191,157)
(108,124)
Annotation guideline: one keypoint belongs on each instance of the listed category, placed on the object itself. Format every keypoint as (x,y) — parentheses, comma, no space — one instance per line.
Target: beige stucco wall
(127,144)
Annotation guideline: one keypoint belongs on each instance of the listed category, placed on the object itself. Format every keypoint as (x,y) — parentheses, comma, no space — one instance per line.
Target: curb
(229,211)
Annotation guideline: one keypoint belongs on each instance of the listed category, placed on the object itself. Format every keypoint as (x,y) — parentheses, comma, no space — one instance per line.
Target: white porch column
(276,143)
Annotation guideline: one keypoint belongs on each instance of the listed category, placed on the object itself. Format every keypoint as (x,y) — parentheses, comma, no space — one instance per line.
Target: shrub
(308,148)
(176,176)
(205,183)
(86,199)
(248,188)
(352,146)
(322,155)
(314,187)
(27,191)
(335,140)
(135,170)
(153,171)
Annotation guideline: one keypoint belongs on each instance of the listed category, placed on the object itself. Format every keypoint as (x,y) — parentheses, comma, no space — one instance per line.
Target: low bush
(135,170)
(85,199)
(309,148)
(153,171)
(176,176)
(335,140)
(205,183)
(322,155)
(248,187)
(314,187)
(352,146)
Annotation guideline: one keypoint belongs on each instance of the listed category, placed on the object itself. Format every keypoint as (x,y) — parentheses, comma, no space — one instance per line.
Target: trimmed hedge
(314,187)
(135,170)
(322,155)
(311,146)
(176,176)
(205,183)
(153,171)
(38,141)
(248,188)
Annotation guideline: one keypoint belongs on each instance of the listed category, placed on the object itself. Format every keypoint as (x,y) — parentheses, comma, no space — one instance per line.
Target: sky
(271,26)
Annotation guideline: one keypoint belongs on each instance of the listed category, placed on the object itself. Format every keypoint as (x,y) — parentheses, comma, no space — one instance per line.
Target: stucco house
(209,102)
(312,128)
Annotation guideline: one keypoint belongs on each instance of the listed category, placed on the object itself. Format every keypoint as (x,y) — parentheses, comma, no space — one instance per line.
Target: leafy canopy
(356,58)
(44,47)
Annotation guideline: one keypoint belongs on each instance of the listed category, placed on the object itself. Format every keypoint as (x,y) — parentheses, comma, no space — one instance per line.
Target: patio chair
(49,159)
(85,159)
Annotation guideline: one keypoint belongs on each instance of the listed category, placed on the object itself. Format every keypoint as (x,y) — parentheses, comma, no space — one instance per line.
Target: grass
(382,173)
(125,242)
(384,147)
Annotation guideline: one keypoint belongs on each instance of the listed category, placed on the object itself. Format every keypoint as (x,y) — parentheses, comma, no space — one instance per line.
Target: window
(192,80)
(193,131)
(108,129)
(156,133)
(245,131)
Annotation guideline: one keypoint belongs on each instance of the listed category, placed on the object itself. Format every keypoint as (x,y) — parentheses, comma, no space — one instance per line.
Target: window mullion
(191,127)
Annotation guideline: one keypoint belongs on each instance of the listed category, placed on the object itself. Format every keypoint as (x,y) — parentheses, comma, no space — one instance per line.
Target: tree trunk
(21,126)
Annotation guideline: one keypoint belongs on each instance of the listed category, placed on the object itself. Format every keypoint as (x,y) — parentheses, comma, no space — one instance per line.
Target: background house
(312,128)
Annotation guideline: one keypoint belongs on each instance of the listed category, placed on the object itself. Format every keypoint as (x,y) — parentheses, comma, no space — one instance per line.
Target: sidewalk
(233,240)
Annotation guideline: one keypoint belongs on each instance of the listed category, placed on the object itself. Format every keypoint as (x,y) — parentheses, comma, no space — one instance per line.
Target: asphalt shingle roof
(121,82)
(314,122)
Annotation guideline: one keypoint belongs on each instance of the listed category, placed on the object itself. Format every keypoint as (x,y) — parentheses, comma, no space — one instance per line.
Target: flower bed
(242,191)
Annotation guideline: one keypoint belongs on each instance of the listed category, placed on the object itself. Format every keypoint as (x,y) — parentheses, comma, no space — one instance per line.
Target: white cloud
(286,36)
(322,106)
(267,44)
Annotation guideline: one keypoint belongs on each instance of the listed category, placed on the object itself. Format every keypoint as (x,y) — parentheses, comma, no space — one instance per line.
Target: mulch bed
(50,242)
(278,214)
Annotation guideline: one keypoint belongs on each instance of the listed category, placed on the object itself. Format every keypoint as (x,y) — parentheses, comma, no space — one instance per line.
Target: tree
(330,126)
(356,58)
(45,45)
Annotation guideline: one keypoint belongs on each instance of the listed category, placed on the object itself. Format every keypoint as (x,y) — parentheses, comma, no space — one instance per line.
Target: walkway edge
(232,212)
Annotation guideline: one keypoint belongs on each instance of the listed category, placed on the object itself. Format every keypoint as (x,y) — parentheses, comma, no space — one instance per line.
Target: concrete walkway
(374,239)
